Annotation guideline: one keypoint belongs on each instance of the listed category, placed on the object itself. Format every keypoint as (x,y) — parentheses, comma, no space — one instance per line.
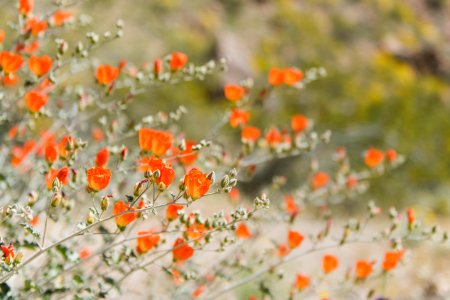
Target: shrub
(85,208)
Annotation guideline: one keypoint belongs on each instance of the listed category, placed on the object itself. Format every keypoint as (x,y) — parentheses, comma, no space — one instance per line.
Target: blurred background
(387,63)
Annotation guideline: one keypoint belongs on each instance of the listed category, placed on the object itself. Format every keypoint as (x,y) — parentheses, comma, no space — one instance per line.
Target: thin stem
(45,224)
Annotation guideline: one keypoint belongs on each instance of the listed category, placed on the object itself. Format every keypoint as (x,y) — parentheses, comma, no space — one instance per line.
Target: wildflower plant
(84,208)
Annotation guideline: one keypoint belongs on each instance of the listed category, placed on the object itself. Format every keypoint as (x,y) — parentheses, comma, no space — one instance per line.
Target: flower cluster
(92,205)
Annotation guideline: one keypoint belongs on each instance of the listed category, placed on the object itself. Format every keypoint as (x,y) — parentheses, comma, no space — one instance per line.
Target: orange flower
(12,133)
(36,26)
(51,153)
(250,134)
(60,17)
(66,146)
(391,155)
(32,47)
(290,206)
(46,138)
(295,239)
(243,232)
(106,74)
(34,221)
(102,157)
(172,211)
(239,117)
(97,134)
(276,76)
(299,123)
(62,175)
(10,62)
(410,215)
(26,6)
(20,153)
(2,36)
(124,219)
(391,259)
(195,230)
(197,183)
(98,178)
(10,79)
(35,100)
(301,281)
(292,75)
(198,291)
(187,156)
(273,137)
(234,194)
(181,250)
(178,61)
(373,157)
(363,269)
(283,250)
(151,163)
(319,180)
(8,252)
(352,181)
(157,66)
(234,92)
(40,65)
(146,241)
(329,263)
(84,253)
(156,141)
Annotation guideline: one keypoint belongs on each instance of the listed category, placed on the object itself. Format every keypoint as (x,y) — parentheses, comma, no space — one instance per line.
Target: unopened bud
(157,68)
(182,145)
(233,173)
(140,187)
(156,174)
(225,181)
(104,203)
(56,199)
(123,153)
(181,185)
(32,198)
(56,185)
(233,182)
(90,218)
(162,186)
(212,176)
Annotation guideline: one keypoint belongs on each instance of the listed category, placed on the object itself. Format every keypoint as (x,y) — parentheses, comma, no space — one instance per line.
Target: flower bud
(233,182)
(212,176)
(225,181)
(32,198)
(157,67)
(156,174)
(104,203)
(182,145)
(233,173)
(56,199)
(140,187)
(162,186)
(56,185)
(90,218)
(123,153)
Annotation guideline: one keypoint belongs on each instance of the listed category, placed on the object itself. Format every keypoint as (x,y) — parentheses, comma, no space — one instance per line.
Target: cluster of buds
(201,145)
(261,202)
(229,181)
(240,214)
(17,210)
